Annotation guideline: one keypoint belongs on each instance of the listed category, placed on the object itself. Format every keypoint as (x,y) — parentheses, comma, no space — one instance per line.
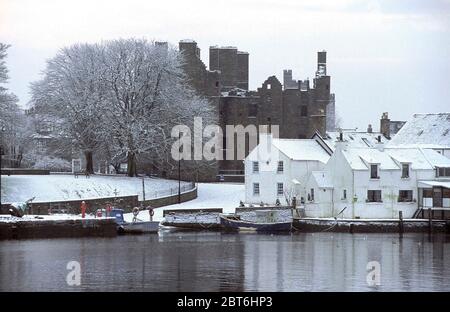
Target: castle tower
(288,82)
(232,64)
(242,70)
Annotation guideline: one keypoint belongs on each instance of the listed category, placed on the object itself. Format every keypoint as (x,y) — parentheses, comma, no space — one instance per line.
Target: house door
(437,197)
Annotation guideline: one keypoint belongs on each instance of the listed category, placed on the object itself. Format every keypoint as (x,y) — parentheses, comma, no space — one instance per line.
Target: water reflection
(212,261)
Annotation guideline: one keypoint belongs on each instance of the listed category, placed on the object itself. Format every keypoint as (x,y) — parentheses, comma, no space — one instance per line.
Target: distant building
(298,108)
(430,131)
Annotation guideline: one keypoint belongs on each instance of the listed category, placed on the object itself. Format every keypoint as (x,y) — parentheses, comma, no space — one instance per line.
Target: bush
(52,164)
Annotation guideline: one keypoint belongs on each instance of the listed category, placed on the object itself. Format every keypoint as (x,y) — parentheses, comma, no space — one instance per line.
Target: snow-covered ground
(54,217)
(210,195)
(19,188)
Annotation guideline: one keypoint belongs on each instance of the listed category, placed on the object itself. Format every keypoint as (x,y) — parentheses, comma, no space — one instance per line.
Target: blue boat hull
(239,225)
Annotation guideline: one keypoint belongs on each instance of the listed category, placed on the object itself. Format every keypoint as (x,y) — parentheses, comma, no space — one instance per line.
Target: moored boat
(135,227)
(268,224)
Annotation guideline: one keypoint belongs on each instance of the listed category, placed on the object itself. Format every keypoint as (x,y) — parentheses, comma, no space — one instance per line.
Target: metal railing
(169,192)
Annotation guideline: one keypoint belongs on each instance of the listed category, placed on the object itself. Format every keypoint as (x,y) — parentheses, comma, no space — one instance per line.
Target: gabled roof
(392,158)
(301,149)
(362,158)
(353,138)
(424,130)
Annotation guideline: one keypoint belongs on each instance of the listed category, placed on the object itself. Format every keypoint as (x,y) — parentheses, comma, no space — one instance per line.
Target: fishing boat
(134,227)
(266,221)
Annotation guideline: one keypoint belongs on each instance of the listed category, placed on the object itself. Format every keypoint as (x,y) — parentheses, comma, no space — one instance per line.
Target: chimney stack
(369,129)
(385,125)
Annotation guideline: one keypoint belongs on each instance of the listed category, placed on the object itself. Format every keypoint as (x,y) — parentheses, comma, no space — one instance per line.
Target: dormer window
(374,172)
(443,172)
(405,171)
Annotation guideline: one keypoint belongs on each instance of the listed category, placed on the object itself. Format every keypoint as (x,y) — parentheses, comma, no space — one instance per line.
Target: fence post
(400,224)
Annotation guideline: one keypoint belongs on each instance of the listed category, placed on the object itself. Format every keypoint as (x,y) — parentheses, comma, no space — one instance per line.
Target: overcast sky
(383,55)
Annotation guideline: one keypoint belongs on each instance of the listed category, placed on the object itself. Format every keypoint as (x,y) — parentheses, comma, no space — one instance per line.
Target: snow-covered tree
(71,96)
(120,98)
(148,95)
(11,116)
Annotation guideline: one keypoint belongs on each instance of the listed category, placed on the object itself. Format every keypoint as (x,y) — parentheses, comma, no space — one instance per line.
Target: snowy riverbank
(210,195)
(56,187)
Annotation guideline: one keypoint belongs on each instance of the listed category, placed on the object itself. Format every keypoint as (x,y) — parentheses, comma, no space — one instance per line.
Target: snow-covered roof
(427,184)
(235,92)
(322,179)
(392,158)
(354,138)
(361,158)
(424,130)
(301,149)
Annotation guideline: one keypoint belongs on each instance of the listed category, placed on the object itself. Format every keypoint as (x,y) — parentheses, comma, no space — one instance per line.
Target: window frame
(255,167)
(377,176)
(373,198)
(256,187)
(311,194)
(403,170)
(282,166)
(445,172)
(405,199)
(278,189)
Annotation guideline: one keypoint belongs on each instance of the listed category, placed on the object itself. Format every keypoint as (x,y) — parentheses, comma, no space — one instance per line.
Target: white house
(428,131)
(279,168)
(378,183)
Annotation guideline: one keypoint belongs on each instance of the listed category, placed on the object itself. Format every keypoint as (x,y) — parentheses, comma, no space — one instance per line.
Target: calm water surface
(210,261)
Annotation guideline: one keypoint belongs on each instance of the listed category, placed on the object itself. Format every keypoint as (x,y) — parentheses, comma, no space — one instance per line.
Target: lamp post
(179,173)
(2,150)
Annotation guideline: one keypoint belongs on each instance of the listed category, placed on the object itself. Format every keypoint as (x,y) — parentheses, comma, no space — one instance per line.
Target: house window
(374,172)
(256,189)
(255,167)
(280,190)
(344,194)
(405,171)
(311,195)
(405,196)
(303,110)
(443,172)
(374,196)
(280,167)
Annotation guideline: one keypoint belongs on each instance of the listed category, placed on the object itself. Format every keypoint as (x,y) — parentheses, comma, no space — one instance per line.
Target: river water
(214,261)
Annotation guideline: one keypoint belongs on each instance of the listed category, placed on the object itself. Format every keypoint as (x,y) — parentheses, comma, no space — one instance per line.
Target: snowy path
(210,195)
(19,188)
